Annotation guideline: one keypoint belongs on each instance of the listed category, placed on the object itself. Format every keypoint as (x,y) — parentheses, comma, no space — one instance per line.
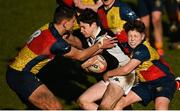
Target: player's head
(65,16)
(135,30)
(108,2)
(88,21)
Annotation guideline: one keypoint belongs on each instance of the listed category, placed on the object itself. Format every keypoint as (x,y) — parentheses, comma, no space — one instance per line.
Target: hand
(89,62)
(108,43)
(106,76)
(67,37)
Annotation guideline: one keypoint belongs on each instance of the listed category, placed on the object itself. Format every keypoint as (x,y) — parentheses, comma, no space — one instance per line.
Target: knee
(82,102)
(42,102)
(156,20)
(121,104)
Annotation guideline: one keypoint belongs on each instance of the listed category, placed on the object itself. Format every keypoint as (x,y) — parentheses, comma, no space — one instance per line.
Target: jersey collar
(54,31)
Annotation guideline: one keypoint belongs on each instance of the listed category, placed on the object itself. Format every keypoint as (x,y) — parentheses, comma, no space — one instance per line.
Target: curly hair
(134,25)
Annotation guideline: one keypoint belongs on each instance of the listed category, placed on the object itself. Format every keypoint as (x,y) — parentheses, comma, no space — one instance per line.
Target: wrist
(100,43)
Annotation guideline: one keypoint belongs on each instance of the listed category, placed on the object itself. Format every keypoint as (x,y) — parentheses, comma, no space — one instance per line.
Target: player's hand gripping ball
(96,64)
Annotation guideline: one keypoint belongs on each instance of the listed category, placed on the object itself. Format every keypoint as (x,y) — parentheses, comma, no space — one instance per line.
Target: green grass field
(18,19)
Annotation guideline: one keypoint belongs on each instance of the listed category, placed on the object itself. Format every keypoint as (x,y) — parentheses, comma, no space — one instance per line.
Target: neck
(109,6)
(95,32)
(59,28)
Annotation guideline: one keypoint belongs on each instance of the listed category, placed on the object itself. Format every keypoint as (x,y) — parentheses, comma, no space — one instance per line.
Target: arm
(139,55)
(73,40)
(82,55)
(124,70)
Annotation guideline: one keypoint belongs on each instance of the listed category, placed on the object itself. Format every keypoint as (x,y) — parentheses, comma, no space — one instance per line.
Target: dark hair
(63,12)
(134,25)
(88,16)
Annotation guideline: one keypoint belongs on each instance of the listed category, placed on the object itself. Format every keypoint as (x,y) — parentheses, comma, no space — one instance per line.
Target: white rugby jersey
(115,51)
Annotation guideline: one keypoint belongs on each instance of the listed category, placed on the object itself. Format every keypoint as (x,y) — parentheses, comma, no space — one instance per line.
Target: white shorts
(125,82)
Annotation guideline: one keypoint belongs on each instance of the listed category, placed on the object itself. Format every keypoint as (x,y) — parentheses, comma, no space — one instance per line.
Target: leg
(29,88)
(113,93)
(158,31)
(132,97)
(146,21)
(162,103)
(43,98)
(94,93)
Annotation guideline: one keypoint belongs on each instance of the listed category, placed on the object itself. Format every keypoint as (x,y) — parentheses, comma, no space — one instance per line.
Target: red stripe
(103,17)
(122,36)
(42,43)
(152,73)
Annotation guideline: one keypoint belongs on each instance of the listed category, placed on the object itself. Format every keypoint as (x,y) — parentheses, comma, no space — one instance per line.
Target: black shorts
(23,83)
(146,7)
(150,91)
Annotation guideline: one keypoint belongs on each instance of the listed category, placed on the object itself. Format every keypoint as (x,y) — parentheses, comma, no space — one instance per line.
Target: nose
(132,38)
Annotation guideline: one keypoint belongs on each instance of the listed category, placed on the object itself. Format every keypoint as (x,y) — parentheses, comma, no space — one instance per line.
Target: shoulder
(126,11)
(141,53)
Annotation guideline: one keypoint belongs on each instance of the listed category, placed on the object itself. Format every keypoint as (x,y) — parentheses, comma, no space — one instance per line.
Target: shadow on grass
(64,78)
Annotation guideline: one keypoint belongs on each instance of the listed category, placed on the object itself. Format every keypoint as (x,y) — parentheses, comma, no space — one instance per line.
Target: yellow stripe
(44,27)
(24,56)
(146,64)
(115,23)
(37,67)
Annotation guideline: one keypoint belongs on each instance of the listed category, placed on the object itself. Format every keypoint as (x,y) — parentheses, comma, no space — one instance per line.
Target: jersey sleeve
(127,13)
(141,53)
(60,47)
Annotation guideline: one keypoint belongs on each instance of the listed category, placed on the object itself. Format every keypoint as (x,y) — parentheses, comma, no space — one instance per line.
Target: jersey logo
(34,35)
(137,52)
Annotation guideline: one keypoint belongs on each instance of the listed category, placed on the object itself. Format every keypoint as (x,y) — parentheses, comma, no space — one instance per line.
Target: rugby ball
(99,65)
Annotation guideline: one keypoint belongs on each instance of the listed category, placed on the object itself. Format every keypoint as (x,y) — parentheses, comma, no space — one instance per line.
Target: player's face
(86,29)
(107,2)
(135,38)
(69,24)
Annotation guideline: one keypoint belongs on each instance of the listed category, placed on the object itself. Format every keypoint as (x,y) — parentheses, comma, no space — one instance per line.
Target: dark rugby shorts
(23,83)
(146,7)
(150,91)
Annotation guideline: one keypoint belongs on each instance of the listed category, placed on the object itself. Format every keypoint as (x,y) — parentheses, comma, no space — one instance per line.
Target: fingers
(109,43)
(105,77)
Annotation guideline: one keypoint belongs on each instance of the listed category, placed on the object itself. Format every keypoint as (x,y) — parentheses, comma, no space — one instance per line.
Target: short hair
(134,25)
(88,16)
(63,12)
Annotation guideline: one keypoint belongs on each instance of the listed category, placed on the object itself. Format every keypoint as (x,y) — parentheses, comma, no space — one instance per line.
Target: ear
(94,24)
(64,23)
(143,36)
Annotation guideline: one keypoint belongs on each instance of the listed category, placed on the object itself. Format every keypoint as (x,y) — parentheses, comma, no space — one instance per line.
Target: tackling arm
(124,70)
